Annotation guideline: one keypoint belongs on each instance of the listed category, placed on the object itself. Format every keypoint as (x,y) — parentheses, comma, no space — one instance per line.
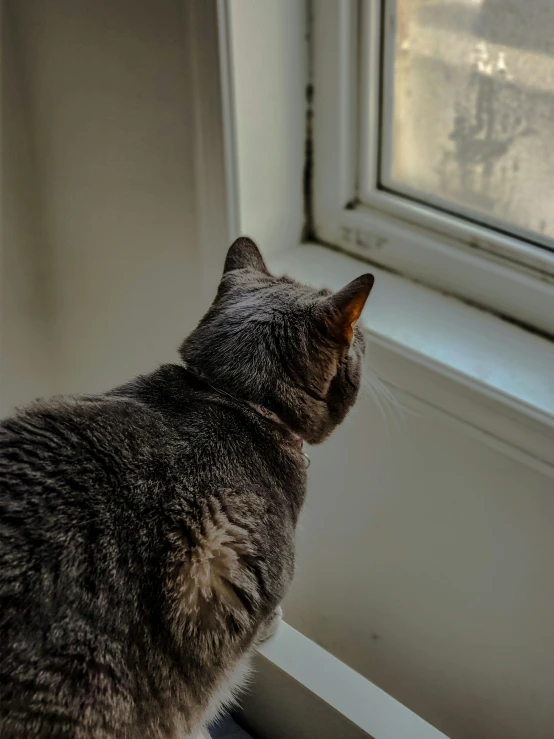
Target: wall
(424,561)
(109,88)
(269,63)
(25,366)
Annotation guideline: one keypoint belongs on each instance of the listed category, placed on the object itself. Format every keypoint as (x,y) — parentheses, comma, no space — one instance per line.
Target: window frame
(522,245)
(497,271)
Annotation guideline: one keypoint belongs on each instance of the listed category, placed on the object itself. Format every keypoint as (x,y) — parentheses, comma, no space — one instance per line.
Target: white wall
(269,77)
(424,562)
(25,330)
(109,87)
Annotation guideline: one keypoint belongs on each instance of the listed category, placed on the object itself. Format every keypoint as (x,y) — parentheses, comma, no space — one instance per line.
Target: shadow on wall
(106,97)
(25,305)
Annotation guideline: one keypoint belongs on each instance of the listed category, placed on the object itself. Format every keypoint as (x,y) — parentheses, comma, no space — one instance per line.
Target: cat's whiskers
(388,404)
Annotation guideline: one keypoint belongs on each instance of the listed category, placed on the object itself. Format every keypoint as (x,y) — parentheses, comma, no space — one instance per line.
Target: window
(470,127)
(434,144)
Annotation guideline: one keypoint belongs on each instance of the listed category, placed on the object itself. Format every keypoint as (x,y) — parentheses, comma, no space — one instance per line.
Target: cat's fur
(146,534)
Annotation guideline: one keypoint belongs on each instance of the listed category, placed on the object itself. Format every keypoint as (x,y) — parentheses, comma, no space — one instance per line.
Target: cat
(147,533)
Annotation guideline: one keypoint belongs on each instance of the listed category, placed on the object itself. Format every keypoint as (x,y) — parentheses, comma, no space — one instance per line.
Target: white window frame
(478,264)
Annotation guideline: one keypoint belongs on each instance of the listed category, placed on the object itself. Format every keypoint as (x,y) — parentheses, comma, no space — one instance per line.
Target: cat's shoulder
(67,407)
(79,416)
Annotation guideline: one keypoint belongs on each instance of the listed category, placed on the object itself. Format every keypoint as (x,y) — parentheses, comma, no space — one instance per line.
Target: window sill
(303,691)
(464,365)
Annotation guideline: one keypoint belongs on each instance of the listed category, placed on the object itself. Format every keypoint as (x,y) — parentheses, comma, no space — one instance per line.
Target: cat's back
(74,472)
(60,446)
(82,483)
(64,459)
(53,434)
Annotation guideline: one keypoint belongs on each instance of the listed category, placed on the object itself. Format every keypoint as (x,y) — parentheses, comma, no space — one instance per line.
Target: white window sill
(465,365)
(302,691)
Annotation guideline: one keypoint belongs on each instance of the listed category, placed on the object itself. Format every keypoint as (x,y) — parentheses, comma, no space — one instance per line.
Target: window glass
(468,122)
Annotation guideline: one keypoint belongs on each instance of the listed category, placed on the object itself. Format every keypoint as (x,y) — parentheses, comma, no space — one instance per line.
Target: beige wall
(25,327)
(110,101)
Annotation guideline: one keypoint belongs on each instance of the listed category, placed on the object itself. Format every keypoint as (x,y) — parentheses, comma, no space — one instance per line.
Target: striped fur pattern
(147,534)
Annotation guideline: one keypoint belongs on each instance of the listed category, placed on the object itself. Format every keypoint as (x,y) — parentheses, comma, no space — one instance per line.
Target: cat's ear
(244,254)
(342,310)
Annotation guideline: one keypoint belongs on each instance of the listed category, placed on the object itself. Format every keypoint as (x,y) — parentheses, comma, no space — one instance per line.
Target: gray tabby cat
(146,534)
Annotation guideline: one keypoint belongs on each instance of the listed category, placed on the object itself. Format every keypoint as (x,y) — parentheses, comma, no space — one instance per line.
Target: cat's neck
(265,413)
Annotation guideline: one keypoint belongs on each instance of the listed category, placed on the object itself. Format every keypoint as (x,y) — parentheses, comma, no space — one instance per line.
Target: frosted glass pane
(470,124)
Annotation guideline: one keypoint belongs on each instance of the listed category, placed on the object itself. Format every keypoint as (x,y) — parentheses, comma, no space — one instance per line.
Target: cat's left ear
(244,254)
(342,310)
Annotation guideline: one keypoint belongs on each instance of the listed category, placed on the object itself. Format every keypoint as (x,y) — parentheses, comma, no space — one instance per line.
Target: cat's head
(290,348)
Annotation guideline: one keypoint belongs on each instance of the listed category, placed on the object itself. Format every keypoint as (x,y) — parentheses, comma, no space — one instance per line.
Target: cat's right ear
(244,254)
(342,310)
